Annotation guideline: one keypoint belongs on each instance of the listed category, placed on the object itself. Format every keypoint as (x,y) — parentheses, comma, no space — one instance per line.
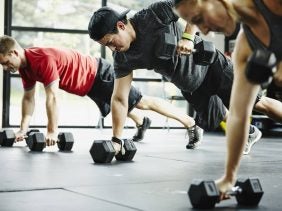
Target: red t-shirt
(75,71)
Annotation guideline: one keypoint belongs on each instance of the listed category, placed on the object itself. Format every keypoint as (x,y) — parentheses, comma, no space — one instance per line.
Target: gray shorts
(211,99)
(102,89)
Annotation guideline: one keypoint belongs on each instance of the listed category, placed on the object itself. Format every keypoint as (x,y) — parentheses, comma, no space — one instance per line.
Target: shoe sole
(252,144)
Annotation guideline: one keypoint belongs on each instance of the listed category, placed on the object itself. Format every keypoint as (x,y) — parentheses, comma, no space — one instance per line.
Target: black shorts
(102,89)
(212,98)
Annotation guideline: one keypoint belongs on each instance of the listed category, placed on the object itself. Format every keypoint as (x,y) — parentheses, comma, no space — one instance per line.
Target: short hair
(7,43)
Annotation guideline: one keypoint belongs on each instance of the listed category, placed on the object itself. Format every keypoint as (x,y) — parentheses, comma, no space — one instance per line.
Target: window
(63,24)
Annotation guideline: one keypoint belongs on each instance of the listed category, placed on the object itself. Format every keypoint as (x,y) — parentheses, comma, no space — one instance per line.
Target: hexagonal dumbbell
(36,141)
(127,151)
(65,141)
(102,151)
(261,67)
(7,138)
(204,53)
(204,194)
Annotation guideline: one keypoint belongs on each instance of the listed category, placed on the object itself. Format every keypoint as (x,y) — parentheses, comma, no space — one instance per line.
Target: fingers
(20,138)
(50,141)
(184,50)
(224,196)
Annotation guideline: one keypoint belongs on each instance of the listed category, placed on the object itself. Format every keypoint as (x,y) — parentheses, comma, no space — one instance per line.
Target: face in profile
(119,41)
(208,15)
(11,61)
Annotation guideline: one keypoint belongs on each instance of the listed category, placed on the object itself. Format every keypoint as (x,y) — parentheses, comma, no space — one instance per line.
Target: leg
(270,107)
(165,108)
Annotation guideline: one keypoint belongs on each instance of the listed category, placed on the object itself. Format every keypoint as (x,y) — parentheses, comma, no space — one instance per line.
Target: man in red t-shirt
(77,74)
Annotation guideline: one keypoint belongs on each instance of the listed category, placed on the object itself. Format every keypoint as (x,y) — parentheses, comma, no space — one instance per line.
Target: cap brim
(123,14)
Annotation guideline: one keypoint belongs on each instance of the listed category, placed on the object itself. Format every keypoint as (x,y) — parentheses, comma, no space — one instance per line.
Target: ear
(120,25)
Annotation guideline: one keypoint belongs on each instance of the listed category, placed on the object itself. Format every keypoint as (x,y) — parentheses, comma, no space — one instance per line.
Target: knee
(262,105)
(143,104)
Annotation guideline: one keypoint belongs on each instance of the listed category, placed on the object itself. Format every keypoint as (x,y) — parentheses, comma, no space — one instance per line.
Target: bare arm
(52,112)
(27,112)
(242,100)
(119,104)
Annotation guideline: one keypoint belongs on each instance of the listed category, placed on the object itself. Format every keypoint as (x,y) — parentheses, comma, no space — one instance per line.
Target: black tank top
(274,23)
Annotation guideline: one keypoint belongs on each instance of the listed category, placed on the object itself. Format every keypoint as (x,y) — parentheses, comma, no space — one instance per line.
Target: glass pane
(66,14)
(79,42)
(134,5)
(73,110)
(164,90)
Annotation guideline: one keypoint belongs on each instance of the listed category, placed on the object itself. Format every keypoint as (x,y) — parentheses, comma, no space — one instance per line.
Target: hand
(223,186)
(51,138)
(185,46)
(20,135)
(117,144)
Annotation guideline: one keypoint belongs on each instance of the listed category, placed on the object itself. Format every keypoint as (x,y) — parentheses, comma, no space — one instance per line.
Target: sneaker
(141,129)
(195,135)
(253,138)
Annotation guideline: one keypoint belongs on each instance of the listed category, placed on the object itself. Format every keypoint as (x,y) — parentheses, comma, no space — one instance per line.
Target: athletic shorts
(212,98)
(102,89)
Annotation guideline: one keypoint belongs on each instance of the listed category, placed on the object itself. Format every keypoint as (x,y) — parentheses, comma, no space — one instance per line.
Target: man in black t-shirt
(138,44)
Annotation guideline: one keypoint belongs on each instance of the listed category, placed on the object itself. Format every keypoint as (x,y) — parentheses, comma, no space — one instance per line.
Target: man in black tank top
(136,44)
(262,29)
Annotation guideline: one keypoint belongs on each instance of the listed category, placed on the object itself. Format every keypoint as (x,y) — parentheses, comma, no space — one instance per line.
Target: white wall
(1,72)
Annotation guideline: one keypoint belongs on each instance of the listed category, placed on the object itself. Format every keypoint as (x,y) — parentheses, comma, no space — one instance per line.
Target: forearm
(52,113)
(237,134)
(119,113)
(27,112)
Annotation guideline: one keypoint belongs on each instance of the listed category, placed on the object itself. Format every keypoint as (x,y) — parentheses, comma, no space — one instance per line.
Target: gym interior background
(163,169)
(63,23)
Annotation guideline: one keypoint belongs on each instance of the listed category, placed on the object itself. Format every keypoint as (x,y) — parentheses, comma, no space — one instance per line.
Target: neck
(23,58)
(131,30)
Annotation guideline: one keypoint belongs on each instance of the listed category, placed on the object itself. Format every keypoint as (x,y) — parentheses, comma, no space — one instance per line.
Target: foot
(195,135)
(253,138)
(141,129)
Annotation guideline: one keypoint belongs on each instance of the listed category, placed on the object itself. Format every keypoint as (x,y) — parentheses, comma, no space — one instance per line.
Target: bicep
(243,92)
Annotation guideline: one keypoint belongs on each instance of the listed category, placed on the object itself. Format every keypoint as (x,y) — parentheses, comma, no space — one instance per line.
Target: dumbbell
(7,138)
(102,151)
(203,54)
(261,67)
(36,141)
(204,194)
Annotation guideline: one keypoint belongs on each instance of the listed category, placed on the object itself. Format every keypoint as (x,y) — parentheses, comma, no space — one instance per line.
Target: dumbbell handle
(234,191)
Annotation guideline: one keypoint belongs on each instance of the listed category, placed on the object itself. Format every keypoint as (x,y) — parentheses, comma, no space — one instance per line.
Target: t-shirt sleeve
(164,11)
(48,72)
(121,66)
(27,83)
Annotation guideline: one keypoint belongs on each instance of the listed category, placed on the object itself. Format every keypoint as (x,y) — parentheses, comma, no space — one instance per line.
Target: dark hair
(104,21)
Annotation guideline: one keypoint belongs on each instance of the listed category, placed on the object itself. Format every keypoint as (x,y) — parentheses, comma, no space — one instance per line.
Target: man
(138,43)
(262,29)
(77,74)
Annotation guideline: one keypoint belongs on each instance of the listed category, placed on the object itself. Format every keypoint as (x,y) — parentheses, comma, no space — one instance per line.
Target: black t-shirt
(152,26)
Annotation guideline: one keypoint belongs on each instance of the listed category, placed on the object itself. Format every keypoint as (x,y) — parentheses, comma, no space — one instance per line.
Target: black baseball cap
(103,21)
(175,2)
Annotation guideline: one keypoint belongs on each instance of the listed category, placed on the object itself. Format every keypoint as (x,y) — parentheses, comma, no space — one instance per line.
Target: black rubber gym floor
(157,179)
